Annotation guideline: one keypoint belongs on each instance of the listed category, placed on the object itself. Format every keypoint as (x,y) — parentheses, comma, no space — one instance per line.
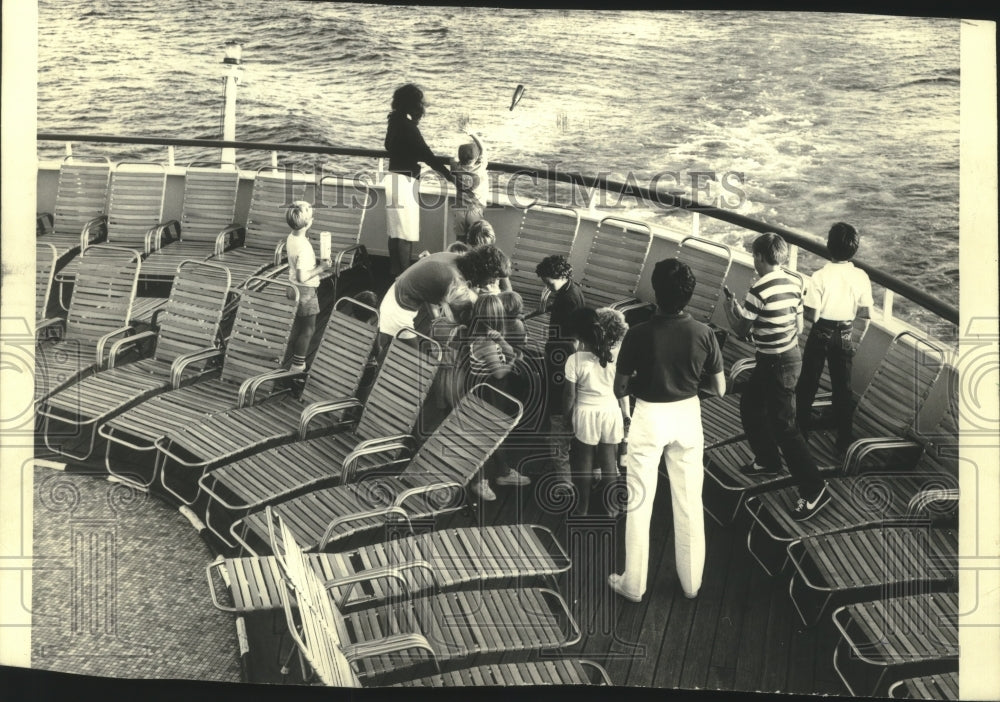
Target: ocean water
(824,117)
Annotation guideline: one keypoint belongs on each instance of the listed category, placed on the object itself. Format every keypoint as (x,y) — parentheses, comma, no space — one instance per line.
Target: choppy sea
(824,117)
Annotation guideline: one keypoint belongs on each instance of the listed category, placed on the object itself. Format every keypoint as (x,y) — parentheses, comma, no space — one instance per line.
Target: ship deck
(740,634)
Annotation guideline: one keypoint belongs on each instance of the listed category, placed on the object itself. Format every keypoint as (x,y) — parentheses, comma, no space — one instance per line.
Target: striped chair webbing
(322,634)
(457,557)
(461,444)
(103,294)
(542,233)
(562,671)
(45,266)
(272,194)
(209,203)
(81,195)
(883,556)
(909,629)
(459,625)
(135,205)
(260,333)
(614,264)
(710,263)
(404,378)
(340,360)
(929,687)
(340,209)
(190,320)
(904,377)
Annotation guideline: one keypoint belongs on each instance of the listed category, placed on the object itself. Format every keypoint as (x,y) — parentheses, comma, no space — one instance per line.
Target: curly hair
(480,233)
(409,99)
(613,324)
(483,266)
(555,267)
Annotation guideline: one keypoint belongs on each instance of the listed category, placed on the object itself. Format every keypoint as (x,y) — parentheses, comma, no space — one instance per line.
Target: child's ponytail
(601,348)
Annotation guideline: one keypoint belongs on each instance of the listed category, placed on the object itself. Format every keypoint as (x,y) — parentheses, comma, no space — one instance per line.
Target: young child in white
(305,274)
(589,400)
(472,187)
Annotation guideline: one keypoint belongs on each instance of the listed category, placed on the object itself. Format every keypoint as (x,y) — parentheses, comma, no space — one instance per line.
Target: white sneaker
(512,477)
(483,490)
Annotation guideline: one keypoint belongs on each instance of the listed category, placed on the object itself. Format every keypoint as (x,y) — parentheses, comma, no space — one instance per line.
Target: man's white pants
(672,430)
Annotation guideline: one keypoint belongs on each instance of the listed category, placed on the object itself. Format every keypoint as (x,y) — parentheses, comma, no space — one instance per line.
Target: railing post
(695,224)
(69,148)
(887,300)
(793,257)
(274,160)
(170,156)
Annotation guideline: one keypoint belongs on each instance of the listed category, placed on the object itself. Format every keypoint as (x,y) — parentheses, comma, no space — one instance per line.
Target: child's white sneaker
(512,477)
(483,490)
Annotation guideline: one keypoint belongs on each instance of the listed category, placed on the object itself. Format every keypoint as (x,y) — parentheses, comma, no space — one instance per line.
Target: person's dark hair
(555,266)
(365,297)
(458,247)
(842,242)
(771,247)
(480,233)
(585,325)
(673,284)
(483,265)
(409,100)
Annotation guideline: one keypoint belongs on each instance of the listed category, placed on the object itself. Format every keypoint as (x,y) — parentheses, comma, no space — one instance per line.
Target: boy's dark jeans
(767,408)
(829,342)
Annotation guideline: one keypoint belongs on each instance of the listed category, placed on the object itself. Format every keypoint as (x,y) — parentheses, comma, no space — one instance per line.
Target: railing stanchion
(793,257)
(274,160)
(69,148)
(170,156)
(887,300)
(695,224)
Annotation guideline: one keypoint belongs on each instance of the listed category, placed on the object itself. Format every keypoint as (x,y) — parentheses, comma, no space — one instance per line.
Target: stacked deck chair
(79,218)
(209,207)
(610,276)
(249,251)
(333,379)
(431,484)
(434,634)
(832,569)
(189,326)
(256,344)
(389,414)
(340,208)
(888,639)
(887,408)
(45,267)
(911,486)
(434,562)
(135,210)
(928,687)
(99,312)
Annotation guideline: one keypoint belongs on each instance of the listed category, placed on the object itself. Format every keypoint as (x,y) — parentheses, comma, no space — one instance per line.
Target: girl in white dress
(597,415)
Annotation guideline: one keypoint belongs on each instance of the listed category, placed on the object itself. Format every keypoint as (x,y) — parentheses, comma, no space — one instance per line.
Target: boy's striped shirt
(774,303)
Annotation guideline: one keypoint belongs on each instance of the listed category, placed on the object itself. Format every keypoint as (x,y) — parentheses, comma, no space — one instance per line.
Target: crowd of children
(593,362)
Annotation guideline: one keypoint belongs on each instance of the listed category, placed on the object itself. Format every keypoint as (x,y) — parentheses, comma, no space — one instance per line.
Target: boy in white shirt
(305,274)
(839,300)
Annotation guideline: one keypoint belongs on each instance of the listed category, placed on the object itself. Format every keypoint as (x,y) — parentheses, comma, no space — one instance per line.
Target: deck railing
(794,237)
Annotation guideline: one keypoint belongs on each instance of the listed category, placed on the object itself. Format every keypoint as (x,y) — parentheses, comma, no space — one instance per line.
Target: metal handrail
(795,237)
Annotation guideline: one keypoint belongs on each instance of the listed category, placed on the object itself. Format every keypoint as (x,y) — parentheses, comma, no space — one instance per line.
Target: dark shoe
(753,469)
(804,509)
